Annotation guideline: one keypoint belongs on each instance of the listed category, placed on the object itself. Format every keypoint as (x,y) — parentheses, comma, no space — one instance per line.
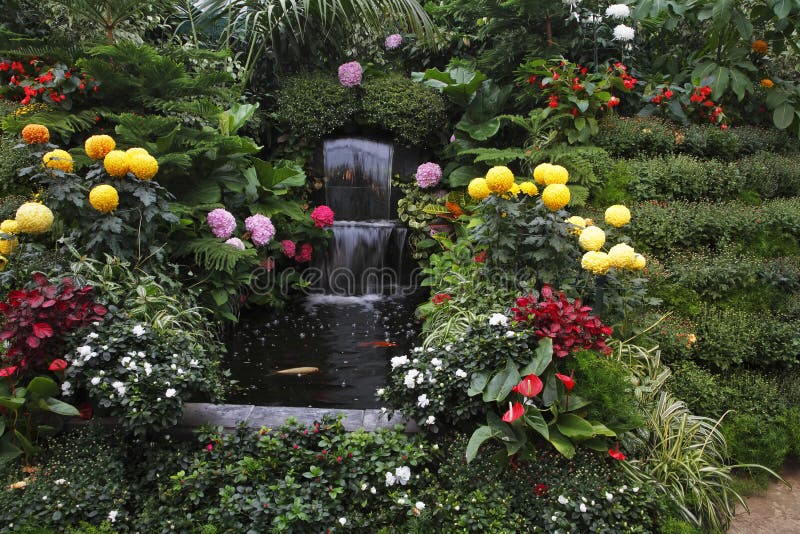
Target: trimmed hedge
(314,105)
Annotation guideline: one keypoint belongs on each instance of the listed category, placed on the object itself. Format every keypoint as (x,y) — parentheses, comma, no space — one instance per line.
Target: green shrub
(683,177)
(11,161)
(629,137)
(706,141)
(770,229)
(314,105)
(752,440)
(411,111)
(770,175)
(679,526)
(753,139)
(607,384)
(614,180)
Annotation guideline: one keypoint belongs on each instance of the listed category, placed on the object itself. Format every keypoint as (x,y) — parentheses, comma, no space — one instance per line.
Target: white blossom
(372,490)
(342,521)
(95,380)
(618,11)
(193,363)
(61,481)
(510,334)
(636,490)
(623,33)
(112,515)
(148,368)
(403,474)
(437,363)
(390,478)
(138,330)
(93,335)
(423,401)
(84,351)
(571,4)
(498,319)
(562,499)
(65,388)
(460,373)
(609,496)
(120,387)
(430,420)
(397,361)
(170,393)
(419,505)
(583,508)
(410,379)
(380,391)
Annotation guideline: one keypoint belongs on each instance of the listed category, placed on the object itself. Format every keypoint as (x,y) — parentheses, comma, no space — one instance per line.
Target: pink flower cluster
(222,223)
(428,175)
(350,74)
(322,216)
(304,256)
(235,242)
(288,247)
(393,41)
(260,228)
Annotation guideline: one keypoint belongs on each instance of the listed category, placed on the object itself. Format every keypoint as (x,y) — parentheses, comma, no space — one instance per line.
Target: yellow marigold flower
(588,222)
(622,256)
(478,189)
(9,226)
(35,133)
(540,171)
(529,188)
(639,262)
(98,146)
(499,179)
(760,46)
(766,83)
(555,196)
(137,151)
(575,225)
(556,174)
(618,215)
(596,262)
(116,163)
(143,166)
(104,198)
(513,192)
(58,159)
(33,218)
(592,238)
(7,246)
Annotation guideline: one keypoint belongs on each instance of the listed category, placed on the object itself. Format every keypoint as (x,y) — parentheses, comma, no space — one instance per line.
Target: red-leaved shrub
(568,324)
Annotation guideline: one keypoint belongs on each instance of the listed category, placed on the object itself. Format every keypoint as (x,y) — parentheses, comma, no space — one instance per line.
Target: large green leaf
(8,451)
(535,420)
(232,120)
(477,384)
(283,176)
(459,84)
(501,384)
(561,443)
(25,443)
(783,116)
(59,407)
(575,427)
(541,358)
(42,387)
(462,176)
(481,434)
(12,403)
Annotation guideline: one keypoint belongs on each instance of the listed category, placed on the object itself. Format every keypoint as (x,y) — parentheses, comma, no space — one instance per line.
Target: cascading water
(361,313)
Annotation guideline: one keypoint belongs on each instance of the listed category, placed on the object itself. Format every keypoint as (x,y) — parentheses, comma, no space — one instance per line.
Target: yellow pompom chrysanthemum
(513,192)
(58,159)
(575,225)
(618,215)
(592,238)
(7,246)
(556,174)
(33,218)
(529,188)
(104,198)
(555,196)
(499,179)
(98,146)
(9,226)
(621,256)
(35,133)
(117,163)
(596,262)
(143,166)
(137,151)
(540,171)
(478,189)
(639,262)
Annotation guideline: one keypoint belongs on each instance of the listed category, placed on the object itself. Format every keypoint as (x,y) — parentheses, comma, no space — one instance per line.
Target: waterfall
(365,255)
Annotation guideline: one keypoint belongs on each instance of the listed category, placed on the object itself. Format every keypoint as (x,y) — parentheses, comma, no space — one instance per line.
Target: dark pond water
(349,339)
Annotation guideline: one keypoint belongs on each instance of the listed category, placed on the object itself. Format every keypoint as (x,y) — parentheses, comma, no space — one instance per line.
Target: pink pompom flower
(393,41)
(350,74)
(288,247)
(304,256)
(222,223)
(235,242)
(260,228)
(322,216)
(428,175)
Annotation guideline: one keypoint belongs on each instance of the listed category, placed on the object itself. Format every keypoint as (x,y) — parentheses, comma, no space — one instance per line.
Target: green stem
(191,23)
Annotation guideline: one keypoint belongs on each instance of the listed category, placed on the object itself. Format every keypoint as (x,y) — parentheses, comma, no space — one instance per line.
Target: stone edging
(229,416)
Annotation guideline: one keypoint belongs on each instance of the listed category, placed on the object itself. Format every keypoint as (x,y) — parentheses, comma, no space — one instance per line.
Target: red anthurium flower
(514,412)
(616,454)
(569,382)
(440,298)
(86,411)
(8,371)
(57,365)
(530,386)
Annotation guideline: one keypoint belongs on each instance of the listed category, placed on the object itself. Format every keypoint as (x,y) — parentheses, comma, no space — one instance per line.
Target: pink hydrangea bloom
(288,247)
(260,228)
(304,256)
(428,175)
(453,138)
(393,41)
(235,242)
(350,74)
(322,216)
(222,223)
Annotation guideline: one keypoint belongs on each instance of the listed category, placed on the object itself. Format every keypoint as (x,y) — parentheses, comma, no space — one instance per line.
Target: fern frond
(500,156)
(214,255)
(64,123)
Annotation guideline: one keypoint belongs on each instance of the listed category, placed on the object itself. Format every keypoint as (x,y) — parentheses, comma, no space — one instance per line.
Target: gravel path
(776,512)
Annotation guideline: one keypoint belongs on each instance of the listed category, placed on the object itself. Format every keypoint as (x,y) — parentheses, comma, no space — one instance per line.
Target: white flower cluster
(498,319)
(623,33)
(618,11)
(400,476)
